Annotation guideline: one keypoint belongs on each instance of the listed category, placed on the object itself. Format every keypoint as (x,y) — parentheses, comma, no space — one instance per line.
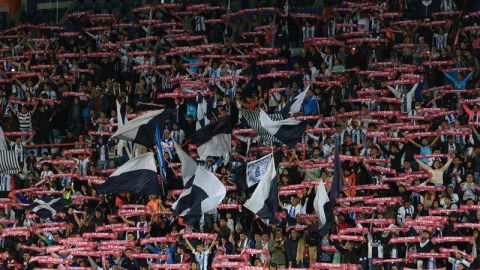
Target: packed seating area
(322,135)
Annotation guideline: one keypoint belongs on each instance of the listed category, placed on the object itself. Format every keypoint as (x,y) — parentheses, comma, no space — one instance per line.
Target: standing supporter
(395,83)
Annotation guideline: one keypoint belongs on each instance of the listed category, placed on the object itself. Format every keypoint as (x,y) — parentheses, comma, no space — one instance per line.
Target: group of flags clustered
(203,192)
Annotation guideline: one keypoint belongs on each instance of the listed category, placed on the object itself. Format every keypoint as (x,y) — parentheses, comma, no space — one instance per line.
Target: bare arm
(35,108)
(474,132)
(423,165)
(434,141)
(91,35)
(220,87)
(447,164)
(211,246)
(77,220)
(415,143)
(395,91)
(56,169)
(40,80)
(92,263)
(412,91)
(29,139)
(41,236)
(129,222)
(189,245)
(12,108)
(467,109)
(20,83)
(468,76)
(147,31)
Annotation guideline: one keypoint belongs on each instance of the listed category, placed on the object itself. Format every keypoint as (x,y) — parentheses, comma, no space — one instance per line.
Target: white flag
(264,200)
(3,143)
(321,198)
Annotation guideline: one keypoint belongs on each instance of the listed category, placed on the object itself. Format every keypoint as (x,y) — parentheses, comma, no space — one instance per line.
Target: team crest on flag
(256,169)
(264,200)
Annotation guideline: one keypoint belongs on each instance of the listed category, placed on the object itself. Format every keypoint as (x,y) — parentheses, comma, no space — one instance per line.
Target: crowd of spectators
(395,82)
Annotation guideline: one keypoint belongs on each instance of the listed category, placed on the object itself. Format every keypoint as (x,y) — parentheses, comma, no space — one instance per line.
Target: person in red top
(473,114)
(251,103)
(350,180)
(341,223)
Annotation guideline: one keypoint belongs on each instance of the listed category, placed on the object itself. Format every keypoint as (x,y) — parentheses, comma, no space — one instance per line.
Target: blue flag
(337,183)
(160,157)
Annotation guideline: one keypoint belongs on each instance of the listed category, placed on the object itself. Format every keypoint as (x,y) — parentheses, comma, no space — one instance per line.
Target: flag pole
(272,24)
(271,144)
(161,161)
(178,112)
(163,187)
(319,114)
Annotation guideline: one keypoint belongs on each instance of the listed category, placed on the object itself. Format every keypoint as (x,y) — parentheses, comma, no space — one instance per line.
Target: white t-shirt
(366,24)
(45,174)
(202,259)
(18,149)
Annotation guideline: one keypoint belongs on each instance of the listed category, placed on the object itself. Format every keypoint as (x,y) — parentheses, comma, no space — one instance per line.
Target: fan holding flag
(324,202)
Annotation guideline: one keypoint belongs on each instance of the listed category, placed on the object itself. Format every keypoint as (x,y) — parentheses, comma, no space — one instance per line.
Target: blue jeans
(102,164)
(476,177)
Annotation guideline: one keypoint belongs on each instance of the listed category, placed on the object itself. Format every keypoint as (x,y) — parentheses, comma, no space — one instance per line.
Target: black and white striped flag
(288,131)
(8,162)
(3,143)
(253,120)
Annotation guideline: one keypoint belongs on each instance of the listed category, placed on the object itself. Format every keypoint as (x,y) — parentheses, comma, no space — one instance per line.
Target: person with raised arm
(201,255)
